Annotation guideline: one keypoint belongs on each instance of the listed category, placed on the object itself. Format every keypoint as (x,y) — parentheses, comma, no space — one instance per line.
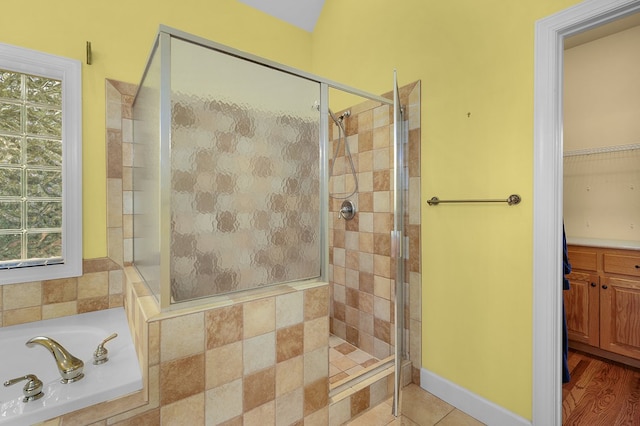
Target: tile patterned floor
(418,408)
(346,360)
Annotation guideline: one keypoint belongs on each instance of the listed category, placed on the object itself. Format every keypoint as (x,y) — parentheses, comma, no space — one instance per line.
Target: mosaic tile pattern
(244,198)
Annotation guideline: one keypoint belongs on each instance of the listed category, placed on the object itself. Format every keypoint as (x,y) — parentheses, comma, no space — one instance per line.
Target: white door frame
(547,193)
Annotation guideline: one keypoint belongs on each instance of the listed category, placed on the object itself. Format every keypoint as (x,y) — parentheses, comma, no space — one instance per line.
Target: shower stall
(240,174)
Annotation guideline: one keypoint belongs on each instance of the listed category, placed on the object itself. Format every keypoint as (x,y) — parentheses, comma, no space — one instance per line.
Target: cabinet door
(581,304)
(620,316)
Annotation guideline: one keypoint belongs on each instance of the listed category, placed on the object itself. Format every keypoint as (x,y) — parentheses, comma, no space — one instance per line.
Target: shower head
(344,115)
(341,117)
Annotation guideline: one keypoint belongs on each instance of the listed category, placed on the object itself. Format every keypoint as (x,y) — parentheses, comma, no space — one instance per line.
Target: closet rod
(513,199)
(602,150)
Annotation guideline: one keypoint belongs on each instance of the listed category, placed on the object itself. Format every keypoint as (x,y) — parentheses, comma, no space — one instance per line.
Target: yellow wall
(121,34)
(472,56)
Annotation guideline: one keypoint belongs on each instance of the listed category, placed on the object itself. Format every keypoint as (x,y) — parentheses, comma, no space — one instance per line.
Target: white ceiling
(301,13)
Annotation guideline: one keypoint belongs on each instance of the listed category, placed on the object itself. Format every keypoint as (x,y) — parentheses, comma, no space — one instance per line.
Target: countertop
(597,242)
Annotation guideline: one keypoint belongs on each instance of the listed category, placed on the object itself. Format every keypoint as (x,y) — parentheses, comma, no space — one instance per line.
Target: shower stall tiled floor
(346,360)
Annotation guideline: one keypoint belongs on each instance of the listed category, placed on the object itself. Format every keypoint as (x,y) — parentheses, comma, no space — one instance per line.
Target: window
(40,166)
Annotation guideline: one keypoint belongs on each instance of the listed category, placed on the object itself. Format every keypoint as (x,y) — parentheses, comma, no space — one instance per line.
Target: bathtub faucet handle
(32,390)
(100,355)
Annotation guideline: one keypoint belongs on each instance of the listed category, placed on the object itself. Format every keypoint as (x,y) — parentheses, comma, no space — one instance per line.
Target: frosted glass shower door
(245,174)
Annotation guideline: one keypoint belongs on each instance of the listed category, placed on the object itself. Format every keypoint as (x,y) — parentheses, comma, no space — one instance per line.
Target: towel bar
(513,199)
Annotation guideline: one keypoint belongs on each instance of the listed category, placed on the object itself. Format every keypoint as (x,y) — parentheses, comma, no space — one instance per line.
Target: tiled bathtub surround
(361,268)
(100,287)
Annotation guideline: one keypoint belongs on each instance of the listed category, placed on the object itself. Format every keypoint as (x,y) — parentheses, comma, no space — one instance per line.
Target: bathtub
(80,335)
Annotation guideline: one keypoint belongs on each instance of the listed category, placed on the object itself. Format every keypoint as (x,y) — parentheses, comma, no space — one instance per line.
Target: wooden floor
(601,393)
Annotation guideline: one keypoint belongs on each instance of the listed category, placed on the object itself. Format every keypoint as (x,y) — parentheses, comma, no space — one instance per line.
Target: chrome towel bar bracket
(512,200)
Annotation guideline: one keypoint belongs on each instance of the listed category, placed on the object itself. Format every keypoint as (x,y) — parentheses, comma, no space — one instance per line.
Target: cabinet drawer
(586,260)
(621,264)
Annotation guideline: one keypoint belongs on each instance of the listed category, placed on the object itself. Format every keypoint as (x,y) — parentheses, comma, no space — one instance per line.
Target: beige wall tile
(339,256)
(289,309)
(223,364)
(318,418)
(258,388)
(57,310)
(259,352)
(365,120)
(114,200)
(22,295)
(365,162)
(236,421)
(223,325)
(224,402)
(127,153)
(366,263)
(57,291)
(289,342)
(382,265)
(316,302)
(316,334)
(316,365)
(154,342)
(366,302)
(381,116)
(93,304)
(289,408)
(181,378)
(116,281)
(259,317)
(188,411)
(94,284)
(316,396)
(114,245)
(360,401)
(181,336)
(381,139)
(263,415)
(21,316)
(289,375)
(382,287)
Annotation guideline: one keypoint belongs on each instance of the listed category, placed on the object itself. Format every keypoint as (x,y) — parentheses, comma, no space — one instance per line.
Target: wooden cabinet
(603,304)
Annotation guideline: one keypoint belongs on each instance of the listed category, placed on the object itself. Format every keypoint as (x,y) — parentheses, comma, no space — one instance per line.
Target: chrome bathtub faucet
(69,366)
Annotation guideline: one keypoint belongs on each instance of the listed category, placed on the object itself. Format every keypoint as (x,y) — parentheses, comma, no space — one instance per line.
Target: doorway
(548,194)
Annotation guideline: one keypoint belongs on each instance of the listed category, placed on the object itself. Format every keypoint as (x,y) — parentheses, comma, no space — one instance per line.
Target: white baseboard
(483,410)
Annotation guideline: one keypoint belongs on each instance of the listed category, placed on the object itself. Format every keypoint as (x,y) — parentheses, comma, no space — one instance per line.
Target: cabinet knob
(637,266)
(593,284)
(605,287)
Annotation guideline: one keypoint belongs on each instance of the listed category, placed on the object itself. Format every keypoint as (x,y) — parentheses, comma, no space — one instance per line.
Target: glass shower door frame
(398,239)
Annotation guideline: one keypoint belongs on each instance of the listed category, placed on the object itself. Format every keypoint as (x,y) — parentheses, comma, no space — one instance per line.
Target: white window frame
(69,71)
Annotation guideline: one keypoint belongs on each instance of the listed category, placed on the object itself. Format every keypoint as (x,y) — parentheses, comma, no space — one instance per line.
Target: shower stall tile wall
(361,268)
